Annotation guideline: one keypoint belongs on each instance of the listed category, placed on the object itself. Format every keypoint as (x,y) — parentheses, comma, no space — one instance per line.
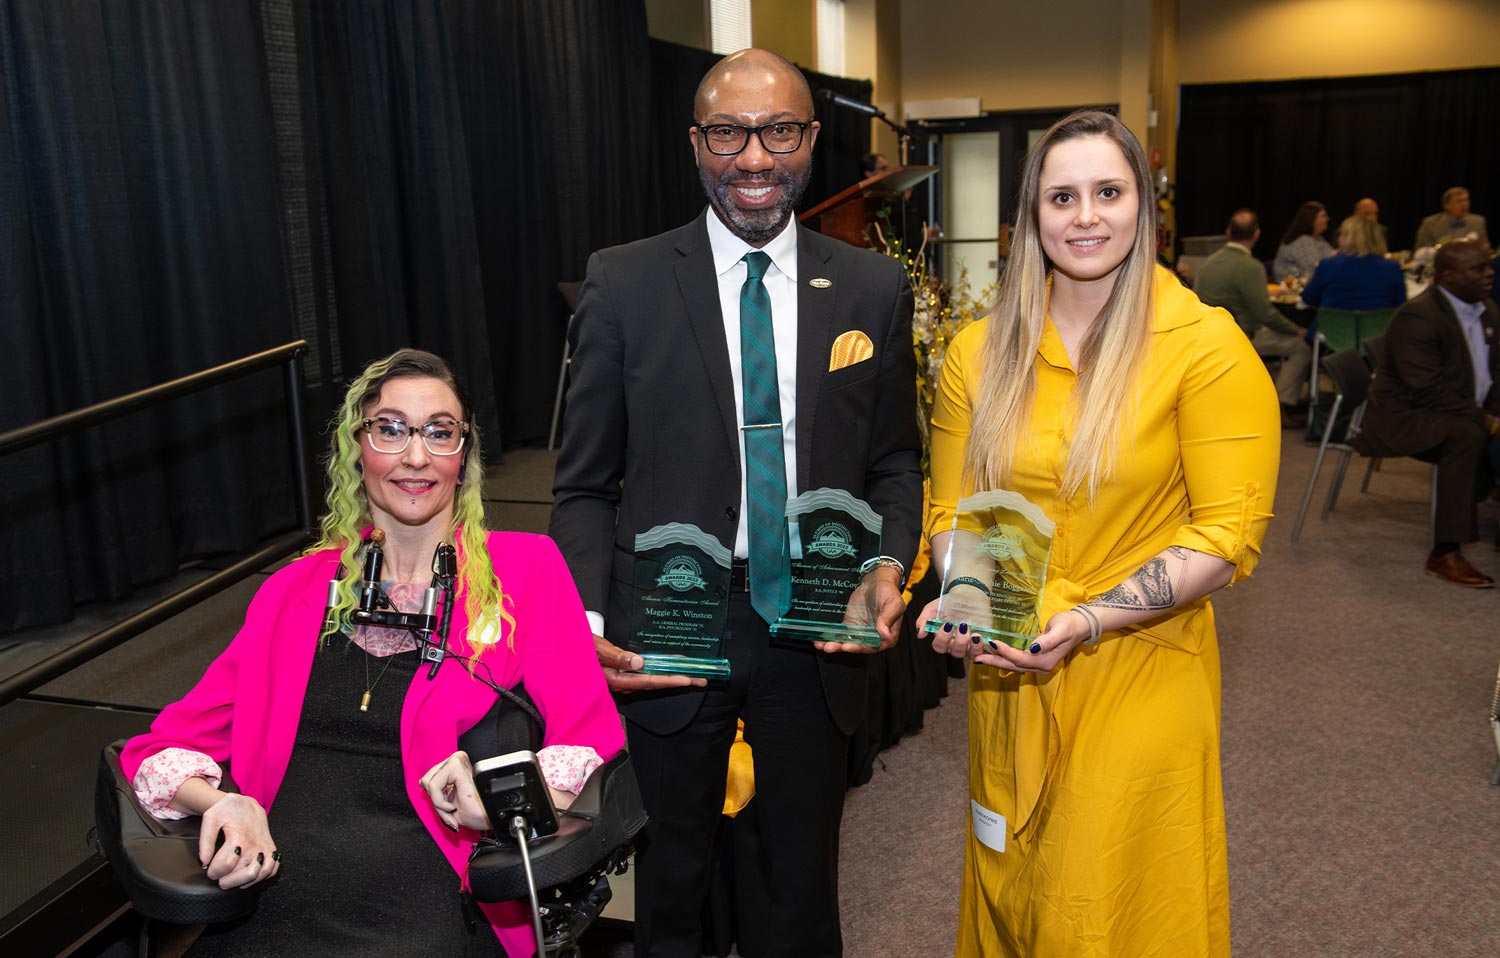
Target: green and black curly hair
(348,508)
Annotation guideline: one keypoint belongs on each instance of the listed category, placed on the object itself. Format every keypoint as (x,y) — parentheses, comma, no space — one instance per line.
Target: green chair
(1340,329)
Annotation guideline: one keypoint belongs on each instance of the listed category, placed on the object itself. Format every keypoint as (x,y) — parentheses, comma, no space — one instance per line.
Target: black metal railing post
(100,642)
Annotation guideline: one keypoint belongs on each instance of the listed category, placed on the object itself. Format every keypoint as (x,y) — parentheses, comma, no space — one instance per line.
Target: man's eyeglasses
(727,139)
(442,437)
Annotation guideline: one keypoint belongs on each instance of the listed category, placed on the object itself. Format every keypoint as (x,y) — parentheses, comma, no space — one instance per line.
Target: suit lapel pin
(820,283)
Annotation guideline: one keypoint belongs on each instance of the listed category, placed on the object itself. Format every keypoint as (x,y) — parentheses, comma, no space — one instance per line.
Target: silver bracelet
(888,562)
(1096,628)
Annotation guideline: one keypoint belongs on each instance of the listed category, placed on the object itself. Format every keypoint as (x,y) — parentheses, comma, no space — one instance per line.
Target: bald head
(1463,268)
(1367,209)
(759,69)
(1450,254)
(1244,226)
(752,136)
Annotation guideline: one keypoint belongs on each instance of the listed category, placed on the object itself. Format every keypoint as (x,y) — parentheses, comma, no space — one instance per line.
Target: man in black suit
(1434,397)
(657,433)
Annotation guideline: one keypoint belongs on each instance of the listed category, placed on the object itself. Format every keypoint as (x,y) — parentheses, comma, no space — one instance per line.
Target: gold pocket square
(850,348)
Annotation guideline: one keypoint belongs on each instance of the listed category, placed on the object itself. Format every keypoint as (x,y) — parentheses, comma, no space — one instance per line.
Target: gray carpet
(1356,752)
(1356,747)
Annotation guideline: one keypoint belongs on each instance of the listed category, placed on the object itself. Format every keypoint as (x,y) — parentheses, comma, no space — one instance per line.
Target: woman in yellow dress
(1143,424)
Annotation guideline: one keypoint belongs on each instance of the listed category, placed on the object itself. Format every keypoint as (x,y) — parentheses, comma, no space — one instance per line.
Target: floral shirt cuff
(160,776)
(567,767)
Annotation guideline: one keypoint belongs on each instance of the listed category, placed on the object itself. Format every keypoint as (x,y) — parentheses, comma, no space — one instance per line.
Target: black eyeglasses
(728,139)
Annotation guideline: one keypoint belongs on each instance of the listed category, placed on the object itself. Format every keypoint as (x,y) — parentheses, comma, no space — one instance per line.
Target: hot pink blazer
(246,707)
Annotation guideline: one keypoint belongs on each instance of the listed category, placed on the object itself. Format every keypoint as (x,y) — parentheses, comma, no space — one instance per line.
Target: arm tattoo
(1149,588)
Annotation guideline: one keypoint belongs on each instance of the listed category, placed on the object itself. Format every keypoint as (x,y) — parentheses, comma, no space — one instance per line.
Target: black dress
(360,876)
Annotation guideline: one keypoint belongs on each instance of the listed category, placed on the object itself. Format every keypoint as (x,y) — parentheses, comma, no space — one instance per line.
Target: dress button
(731,513)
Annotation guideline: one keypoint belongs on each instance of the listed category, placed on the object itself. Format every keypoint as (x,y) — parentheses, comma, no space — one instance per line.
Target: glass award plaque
(997,567)
(681,602)
(830,534)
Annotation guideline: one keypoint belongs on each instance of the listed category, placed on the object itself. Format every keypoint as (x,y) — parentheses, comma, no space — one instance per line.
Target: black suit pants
(1459,446)
(801,759)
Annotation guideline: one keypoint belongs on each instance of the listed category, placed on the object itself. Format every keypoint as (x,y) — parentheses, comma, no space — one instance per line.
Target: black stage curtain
(1401,139)
(140,244)
(189,183)
(390,176)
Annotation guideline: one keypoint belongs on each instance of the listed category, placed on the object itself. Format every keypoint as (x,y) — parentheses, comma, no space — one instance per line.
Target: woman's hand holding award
(995,568)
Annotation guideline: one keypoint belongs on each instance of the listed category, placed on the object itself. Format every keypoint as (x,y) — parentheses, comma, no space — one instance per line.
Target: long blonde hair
(1361,237)
(1111,354)
(348,508)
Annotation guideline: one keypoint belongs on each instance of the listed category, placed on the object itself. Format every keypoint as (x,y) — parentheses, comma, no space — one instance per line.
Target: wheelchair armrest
(156,861)
(604,817)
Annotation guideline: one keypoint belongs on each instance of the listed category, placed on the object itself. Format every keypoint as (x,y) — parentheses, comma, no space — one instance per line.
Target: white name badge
(989,827)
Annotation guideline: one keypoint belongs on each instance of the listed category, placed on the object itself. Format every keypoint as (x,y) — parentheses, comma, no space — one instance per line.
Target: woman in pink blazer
(353,787)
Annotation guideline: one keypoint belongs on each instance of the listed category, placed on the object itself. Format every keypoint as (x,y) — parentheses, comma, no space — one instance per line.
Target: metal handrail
(163,609)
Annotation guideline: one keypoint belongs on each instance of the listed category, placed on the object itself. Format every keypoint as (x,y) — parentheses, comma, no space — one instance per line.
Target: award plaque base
(825,632)
(1015,640)
(684,665)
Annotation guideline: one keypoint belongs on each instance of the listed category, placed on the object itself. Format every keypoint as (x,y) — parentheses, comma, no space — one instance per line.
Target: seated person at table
(1302,245)
(1454,222)
(339,738)
(1434,398)
(1358,276)
(1368,209)
(1234,279)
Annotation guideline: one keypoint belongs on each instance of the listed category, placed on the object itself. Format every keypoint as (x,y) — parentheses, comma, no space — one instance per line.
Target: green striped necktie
(765,459)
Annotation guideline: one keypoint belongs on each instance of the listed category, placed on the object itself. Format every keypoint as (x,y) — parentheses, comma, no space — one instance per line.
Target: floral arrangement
(940,310)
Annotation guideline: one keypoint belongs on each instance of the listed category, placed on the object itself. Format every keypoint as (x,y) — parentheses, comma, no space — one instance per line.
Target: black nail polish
(974,638)
(1036,647)
(260,858)
(947,626)
(276,855)
(963,628)
(236,850)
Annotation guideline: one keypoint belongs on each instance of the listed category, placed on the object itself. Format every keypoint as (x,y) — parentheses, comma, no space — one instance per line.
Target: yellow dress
(1106,772)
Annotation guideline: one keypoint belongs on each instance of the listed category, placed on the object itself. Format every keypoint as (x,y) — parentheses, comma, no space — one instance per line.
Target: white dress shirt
(781,285)
(1471,321)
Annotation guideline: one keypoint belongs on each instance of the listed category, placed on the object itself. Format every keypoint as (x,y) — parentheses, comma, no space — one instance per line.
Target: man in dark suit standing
(1434,398)
(673,338)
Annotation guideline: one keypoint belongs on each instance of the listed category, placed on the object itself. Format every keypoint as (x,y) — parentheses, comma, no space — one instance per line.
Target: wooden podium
(846,214)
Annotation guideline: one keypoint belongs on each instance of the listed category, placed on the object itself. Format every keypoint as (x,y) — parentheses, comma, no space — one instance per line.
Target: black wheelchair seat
(157,861)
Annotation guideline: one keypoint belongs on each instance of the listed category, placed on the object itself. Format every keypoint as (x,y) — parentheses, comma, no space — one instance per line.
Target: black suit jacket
(652,435)
(1426,372)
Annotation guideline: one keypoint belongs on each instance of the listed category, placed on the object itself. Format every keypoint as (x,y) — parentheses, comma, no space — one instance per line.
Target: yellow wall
(785,27)
(1286,39)
(1014,54)
(1024,54)
(889,91)
(678,21)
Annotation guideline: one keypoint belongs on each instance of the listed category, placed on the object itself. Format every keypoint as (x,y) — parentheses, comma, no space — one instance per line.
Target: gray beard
(755,227)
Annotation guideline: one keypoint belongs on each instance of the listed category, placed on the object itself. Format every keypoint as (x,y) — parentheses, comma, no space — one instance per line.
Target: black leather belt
(739,575)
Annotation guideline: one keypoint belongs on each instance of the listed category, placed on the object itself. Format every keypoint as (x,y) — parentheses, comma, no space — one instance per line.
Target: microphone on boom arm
(857,106)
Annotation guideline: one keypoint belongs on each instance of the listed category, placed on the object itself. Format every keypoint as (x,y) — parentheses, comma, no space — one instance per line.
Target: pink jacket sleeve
(555,646)
(202,720)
